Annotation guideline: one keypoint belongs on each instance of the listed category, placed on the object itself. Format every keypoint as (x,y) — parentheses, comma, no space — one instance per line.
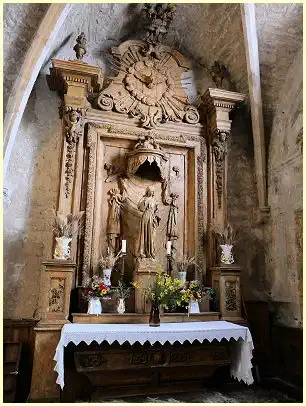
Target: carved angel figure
(172,232)
(148,224)
(219,145)
(113,222)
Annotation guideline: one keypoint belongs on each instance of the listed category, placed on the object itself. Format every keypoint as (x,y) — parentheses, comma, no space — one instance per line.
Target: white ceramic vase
(121,306)
(107,276)
(62,249)
(182,276)
(194,306)
(94,306)
(227,254)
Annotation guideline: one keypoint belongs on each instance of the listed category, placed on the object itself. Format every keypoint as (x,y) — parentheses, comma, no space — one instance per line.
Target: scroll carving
(148,85)
(219,143)
(90,360)
(56,295)
(73,118)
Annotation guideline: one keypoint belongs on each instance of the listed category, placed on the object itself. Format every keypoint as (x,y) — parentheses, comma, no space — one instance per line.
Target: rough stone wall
(32,181)
(280,36)
(249,250)
(283,235)
(20,25)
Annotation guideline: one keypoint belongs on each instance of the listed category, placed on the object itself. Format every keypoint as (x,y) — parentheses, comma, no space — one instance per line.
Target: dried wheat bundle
(109,261)
(227,236)
(68,225)
(185,262)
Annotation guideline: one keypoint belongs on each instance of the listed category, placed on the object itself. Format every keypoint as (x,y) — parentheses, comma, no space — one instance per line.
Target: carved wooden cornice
(75,81)
(218,103)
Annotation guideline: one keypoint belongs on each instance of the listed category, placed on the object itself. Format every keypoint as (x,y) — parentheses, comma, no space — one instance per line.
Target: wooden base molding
(134,318)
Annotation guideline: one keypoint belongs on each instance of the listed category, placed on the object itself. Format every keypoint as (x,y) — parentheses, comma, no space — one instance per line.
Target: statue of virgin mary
(148,224)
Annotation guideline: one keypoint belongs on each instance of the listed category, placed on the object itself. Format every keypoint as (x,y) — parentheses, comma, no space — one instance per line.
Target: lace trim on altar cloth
(241,351)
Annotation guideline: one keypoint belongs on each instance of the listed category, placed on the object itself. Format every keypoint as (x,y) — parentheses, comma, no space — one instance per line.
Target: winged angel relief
(148,85)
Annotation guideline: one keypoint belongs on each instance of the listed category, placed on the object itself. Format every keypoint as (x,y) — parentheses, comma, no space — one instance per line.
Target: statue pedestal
(226,281)
(145,274)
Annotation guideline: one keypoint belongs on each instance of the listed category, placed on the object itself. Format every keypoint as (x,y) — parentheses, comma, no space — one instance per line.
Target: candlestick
(123,247)
(168,247)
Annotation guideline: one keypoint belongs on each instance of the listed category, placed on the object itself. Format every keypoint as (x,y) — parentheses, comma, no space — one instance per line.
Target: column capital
(75,81)
(218,103)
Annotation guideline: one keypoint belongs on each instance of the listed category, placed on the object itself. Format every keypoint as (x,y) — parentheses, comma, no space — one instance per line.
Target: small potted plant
(107,264)
(122,292)
(95,290)
(226,241)
(65,227)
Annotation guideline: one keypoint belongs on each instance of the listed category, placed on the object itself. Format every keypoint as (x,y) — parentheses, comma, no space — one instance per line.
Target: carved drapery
(219,147)
(148,85)
(147,150)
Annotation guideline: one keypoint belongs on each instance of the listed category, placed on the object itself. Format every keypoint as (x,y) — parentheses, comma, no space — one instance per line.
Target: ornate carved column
(76,82)
(217,104)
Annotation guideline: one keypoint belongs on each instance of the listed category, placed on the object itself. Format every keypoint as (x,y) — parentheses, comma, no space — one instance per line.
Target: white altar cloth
(167,332)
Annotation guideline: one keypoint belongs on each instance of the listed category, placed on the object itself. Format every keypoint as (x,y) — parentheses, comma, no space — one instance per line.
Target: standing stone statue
(148,224)
(172,232)
(113,221)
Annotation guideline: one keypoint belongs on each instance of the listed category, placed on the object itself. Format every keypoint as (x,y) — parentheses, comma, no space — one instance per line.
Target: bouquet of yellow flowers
(166,291)
(194,290)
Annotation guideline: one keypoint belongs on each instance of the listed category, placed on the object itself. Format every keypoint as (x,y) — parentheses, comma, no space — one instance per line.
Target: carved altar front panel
(108,146)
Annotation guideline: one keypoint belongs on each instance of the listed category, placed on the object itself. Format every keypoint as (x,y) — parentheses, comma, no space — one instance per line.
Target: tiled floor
(243,395)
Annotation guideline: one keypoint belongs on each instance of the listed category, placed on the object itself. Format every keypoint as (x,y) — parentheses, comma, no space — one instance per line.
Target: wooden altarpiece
(120,139)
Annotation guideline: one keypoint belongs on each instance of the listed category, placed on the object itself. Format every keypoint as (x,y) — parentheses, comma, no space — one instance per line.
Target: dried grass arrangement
(68,225)
(109,261)
(185,263)
(227,236)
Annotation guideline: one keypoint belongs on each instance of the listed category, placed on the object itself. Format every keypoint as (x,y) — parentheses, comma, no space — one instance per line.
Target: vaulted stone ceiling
(203,32)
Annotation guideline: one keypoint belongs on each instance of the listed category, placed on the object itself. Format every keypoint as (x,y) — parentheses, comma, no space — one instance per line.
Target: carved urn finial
(80,47)
(160,17)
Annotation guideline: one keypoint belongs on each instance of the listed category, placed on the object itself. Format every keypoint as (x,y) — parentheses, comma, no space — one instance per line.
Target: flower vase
(226,254)
(194,306)
(154,316)
(107,276)
(94,306)
(121,306)
(182,276)
(62,249)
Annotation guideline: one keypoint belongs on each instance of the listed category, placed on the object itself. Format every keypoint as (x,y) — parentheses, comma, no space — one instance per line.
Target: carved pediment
(148,85)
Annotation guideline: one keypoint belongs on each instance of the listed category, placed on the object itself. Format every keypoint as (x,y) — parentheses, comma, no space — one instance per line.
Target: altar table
(242,343)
